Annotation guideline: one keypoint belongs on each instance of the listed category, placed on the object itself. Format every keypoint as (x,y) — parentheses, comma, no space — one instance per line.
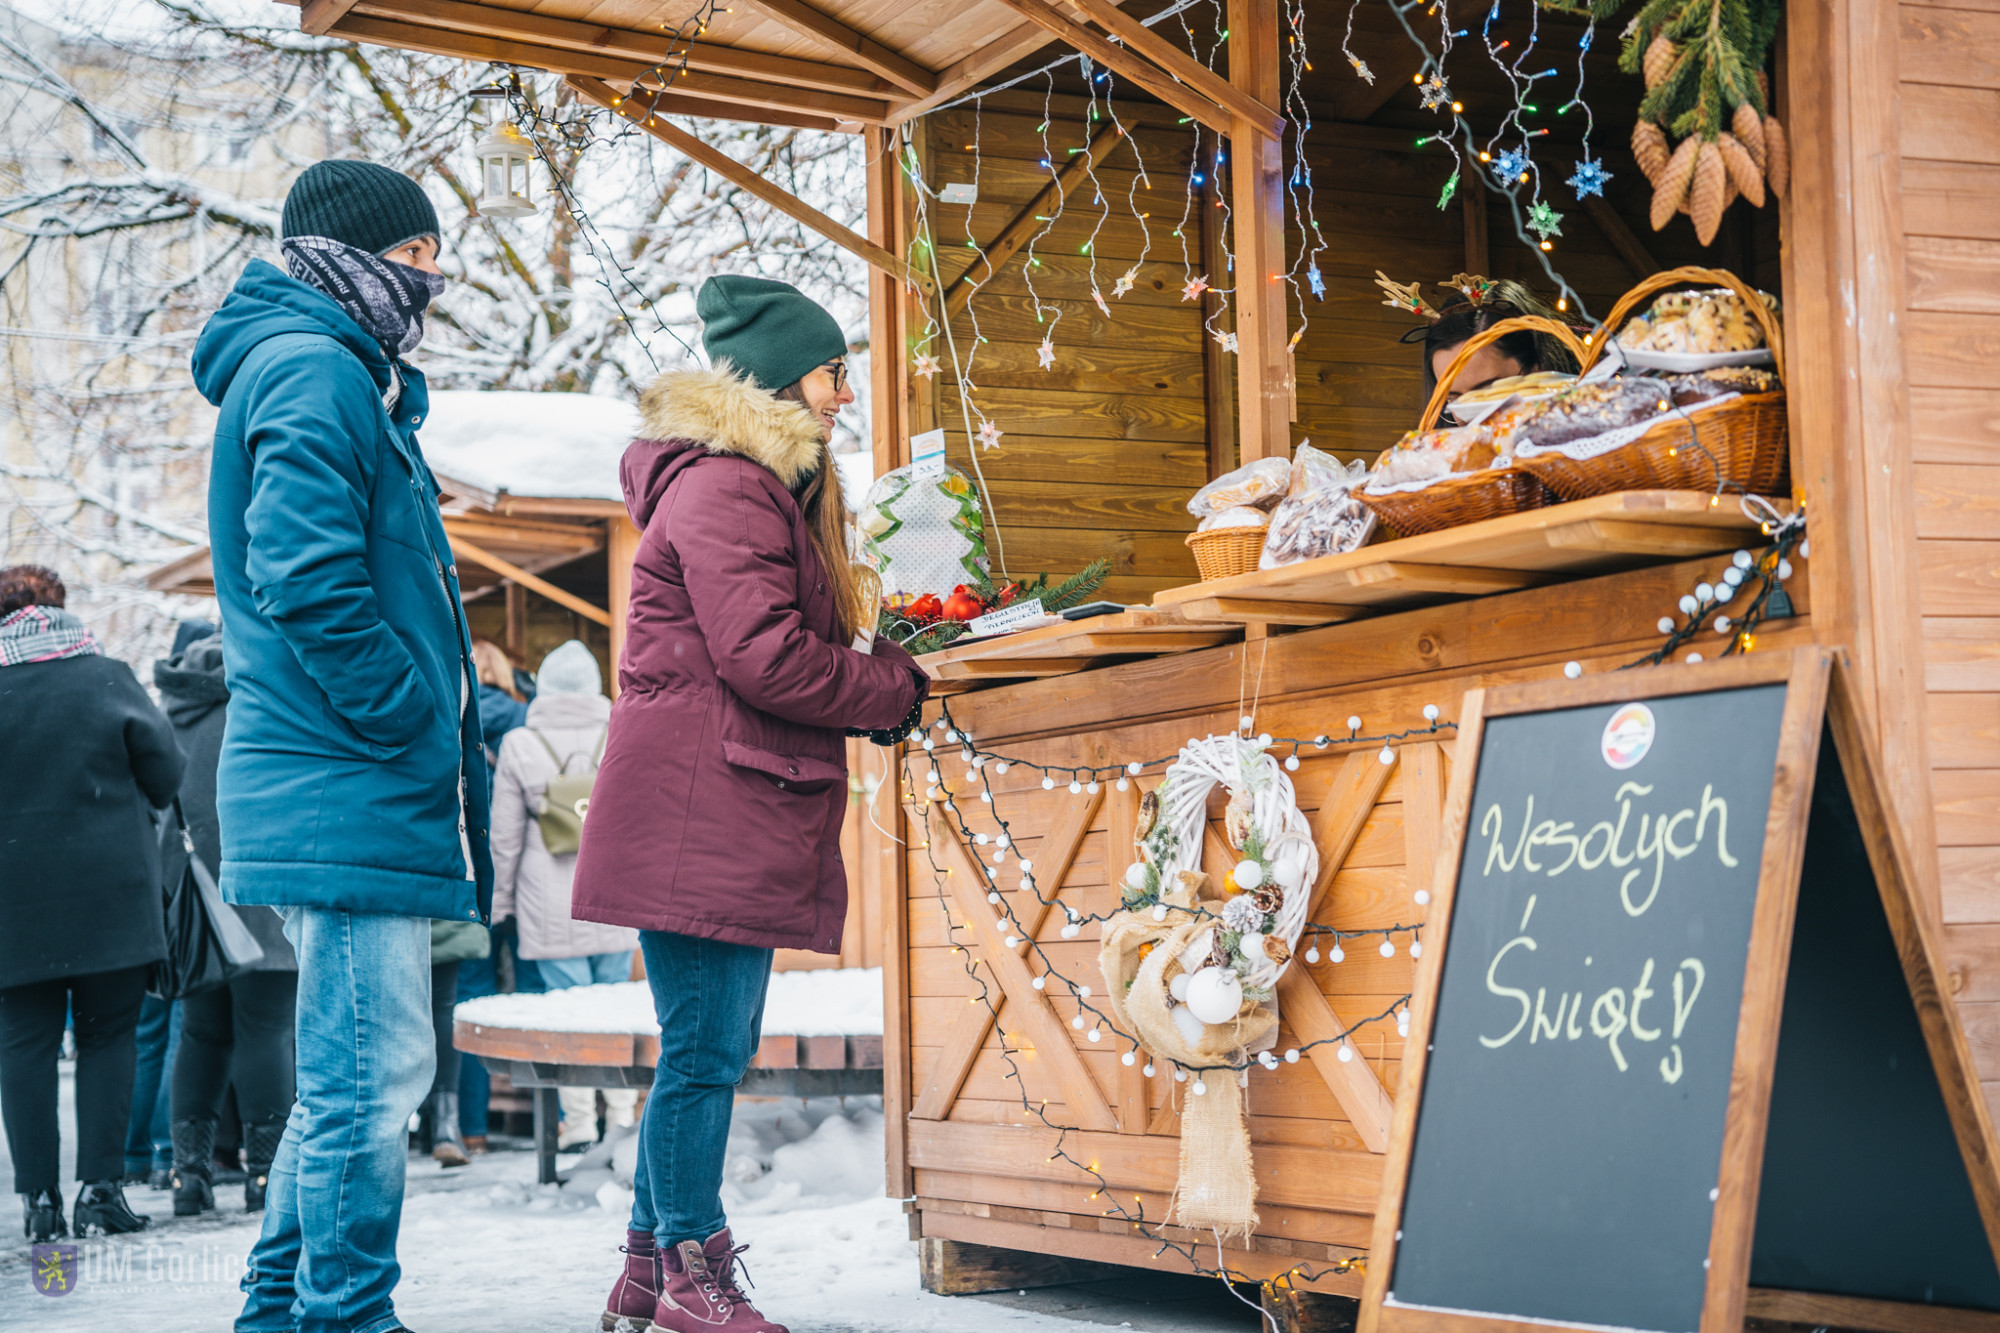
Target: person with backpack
(547,766)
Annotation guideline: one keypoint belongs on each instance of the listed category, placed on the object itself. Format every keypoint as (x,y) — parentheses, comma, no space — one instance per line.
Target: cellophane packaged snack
(1319,514)
(1261,484)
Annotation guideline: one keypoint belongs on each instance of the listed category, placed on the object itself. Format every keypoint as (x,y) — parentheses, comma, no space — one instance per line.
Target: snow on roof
(831,1002)
(544,444)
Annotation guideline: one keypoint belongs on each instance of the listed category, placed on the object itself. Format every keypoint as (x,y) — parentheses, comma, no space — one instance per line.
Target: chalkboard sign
(1580,1136)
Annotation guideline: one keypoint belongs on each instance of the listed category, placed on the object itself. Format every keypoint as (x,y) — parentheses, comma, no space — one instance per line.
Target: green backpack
(566,799)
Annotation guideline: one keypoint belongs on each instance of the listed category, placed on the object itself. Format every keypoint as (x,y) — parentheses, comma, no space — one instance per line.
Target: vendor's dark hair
(826,518)
(30,585)
(1460,319)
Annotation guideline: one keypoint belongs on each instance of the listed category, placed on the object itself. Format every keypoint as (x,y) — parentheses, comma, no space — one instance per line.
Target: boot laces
(732,1265)
(720,1288)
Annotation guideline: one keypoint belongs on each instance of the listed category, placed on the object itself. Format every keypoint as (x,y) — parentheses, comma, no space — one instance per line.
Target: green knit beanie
(360,204)
(771,331)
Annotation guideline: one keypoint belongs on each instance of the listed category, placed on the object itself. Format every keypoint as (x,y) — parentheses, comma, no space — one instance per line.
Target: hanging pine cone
(1708,193)
(1672,188)
(1659,61)
(1749,130)
(1649,145)
(1744,177)
(1777,157)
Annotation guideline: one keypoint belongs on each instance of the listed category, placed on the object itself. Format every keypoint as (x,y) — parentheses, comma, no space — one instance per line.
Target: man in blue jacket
(352,789)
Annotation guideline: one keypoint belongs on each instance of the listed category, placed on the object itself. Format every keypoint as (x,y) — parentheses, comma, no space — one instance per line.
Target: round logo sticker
(1628,735)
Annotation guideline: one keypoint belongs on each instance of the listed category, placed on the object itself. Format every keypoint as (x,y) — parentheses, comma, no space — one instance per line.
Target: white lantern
(504,157)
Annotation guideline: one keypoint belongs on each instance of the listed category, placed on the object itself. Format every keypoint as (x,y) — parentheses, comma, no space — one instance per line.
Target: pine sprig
(1721,44)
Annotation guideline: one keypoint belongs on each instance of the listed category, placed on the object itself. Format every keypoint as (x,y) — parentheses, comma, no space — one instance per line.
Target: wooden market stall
(1012,1133)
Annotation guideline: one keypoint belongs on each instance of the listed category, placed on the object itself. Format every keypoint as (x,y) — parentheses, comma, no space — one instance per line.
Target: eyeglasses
(837,369)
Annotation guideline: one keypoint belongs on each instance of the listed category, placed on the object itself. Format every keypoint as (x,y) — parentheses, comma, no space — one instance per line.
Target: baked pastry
(1703,322)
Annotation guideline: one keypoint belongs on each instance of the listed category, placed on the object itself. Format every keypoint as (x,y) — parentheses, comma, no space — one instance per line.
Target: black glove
(889,737)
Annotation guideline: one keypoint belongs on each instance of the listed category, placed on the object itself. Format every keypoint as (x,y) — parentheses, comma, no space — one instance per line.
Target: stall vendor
(1474,304)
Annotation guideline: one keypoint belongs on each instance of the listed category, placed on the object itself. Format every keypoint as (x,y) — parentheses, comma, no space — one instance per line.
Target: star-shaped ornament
(1361,68)
(1195,287)
(1544,221)
(1225,339)
(1589,178)
(1435,91)
(1124,283)
(1098,297)
(1507,167)
(989,434)
(926,366)
(1046,353)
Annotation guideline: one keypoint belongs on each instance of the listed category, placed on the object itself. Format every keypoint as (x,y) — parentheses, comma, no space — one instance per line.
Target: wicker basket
(1744,442)
(1222,553)
(1468,498)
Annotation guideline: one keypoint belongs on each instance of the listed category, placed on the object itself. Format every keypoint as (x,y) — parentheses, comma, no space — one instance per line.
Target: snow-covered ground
(484,1248)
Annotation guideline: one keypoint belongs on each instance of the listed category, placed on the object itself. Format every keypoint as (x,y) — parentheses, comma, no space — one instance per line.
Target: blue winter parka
(352,775)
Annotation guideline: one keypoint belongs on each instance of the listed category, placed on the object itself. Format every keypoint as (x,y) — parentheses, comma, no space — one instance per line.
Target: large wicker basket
(1221,553)
(1469,497)
(1745,442)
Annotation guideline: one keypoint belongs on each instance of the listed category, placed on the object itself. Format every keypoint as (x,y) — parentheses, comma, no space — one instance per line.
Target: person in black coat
(241,1030)
(81,912)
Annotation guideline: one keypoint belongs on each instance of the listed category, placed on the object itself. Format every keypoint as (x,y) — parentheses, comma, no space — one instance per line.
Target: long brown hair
(825,509)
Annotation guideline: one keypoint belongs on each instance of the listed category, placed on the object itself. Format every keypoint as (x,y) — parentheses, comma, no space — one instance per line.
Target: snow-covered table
(822,1038)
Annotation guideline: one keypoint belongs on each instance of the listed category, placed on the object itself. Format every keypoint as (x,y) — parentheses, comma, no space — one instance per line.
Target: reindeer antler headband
(1406,296)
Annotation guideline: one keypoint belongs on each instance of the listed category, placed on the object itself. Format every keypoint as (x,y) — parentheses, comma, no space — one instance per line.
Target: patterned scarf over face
(43,634)
(385,298)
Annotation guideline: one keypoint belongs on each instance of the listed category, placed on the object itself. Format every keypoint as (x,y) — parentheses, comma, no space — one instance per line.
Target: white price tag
(927,455)
(1021,615)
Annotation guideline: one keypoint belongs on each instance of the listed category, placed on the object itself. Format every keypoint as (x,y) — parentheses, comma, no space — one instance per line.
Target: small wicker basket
(1222,553)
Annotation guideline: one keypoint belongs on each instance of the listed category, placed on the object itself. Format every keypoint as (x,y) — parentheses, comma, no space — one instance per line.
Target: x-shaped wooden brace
(1029,1011)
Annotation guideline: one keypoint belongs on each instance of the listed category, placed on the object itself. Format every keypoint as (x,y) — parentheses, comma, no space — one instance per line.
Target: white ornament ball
(1178,988)
(1215,995)
(1191,1028)
(1159,911)
(1249,874)
(1135,875)
(1252,946)
(1573,669)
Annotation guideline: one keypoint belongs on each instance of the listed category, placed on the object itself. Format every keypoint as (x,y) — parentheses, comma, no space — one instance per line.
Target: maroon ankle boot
(636,1293)
(699,1293)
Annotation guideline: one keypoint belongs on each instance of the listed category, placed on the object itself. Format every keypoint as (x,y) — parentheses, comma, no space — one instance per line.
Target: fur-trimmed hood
(722,409)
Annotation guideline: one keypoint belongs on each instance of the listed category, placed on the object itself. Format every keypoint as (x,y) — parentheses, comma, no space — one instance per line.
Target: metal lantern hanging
(505,155)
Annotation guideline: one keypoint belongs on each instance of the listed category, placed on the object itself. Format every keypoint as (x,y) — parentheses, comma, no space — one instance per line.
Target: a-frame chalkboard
(1679,1050)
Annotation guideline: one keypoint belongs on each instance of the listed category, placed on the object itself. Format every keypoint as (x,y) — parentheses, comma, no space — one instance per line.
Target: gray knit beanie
(360,204)
(570,669)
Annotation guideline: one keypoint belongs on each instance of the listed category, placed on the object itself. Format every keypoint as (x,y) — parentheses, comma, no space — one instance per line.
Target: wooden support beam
(1137,37)
(1263,359)
(889,365)
(1028,221)
(1134,67)
(1255,611)
(517,622)
(653,47)
(620,550)
(865,50)
(318,16)
(1627,243)
(752,95)
(479,555)
(635,110)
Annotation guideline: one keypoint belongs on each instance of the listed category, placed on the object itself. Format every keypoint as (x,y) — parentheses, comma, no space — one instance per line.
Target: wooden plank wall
(1950,90)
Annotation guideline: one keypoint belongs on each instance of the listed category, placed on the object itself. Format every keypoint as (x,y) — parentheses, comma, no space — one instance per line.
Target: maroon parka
(717,809)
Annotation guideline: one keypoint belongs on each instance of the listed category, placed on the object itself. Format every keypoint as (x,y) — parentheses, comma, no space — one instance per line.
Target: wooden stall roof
(821,64)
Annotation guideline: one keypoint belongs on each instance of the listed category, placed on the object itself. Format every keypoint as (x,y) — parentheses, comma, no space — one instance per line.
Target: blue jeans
(326,1261)
(592,969)
(477,977)
(710,1000)
(148,1144)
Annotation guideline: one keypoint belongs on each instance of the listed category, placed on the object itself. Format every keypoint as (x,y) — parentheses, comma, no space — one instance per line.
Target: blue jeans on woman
(326,1261)
(591,969)
(710,1000)
(147,1145)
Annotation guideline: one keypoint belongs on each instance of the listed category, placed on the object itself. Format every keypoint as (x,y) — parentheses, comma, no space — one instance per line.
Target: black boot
(260,1147)
(447,1145)
(43,1216)
(101,1210)
(194,1147)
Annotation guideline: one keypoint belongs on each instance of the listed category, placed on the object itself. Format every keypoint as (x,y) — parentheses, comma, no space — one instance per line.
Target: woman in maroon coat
(714,824)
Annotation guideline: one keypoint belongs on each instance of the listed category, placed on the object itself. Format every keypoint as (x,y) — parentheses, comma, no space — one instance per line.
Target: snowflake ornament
(1098,297)
(1224,339)
(1361,68)
(1589,178)
(926,366)
(1435,91)
(1124,283)
(1544,221)
(1046,353)
(1508,167)
(989,434)
(1195,287)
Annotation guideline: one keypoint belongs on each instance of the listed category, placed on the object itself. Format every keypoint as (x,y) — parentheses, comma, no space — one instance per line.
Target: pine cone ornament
(1671,190)
(1659,61)
(1744,177)
(1649,145)
(1708,193)
(1749,129)
(1777,157)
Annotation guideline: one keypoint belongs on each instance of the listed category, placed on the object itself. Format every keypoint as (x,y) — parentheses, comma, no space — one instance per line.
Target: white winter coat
(528,883)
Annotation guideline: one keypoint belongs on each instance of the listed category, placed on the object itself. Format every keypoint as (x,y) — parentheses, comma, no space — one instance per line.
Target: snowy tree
(148,164)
